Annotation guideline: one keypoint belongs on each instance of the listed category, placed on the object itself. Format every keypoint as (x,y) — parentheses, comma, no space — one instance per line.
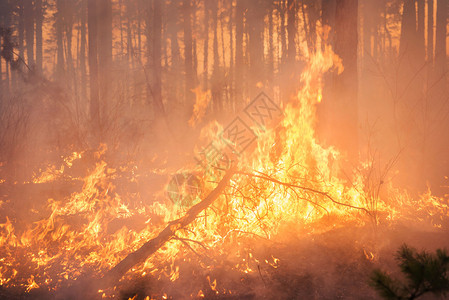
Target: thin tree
(188,53)
(156,87)
(39,16)
(28,14)
(343,113)
(93,68)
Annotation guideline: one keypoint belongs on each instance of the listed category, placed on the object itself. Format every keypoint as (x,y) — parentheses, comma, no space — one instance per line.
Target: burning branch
(151,246)
(290,185)
(165,235)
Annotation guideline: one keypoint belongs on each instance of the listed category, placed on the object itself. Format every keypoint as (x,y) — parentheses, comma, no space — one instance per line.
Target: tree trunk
(68,25)
(440,39)
(29,30)
(175,69)
(255,23)
(39,14)
(430,34)
(408,29)
(270,68)
(157,60)
(421,45)
(82,52)
(104,54)
(283,32)
(344,107)
(216,78)
(291,31)
(239,66)
(59,40)
(21,27)
(188,52)
(206,46)
(231,55)
(289,90)
(93,69)
(313,13)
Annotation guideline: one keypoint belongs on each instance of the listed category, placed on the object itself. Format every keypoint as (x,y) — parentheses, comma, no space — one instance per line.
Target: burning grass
(286,224)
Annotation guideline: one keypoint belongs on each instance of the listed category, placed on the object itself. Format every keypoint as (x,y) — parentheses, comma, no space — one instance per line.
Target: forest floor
(335,264)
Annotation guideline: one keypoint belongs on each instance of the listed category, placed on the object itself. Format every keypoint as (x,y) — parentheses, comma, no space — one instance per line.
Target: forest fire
(271,196)
(286,180)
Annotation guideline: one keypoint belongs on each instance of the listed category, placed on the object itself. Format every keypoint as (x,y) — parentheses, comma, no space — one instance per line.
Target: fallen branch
(140,255)
(290,185)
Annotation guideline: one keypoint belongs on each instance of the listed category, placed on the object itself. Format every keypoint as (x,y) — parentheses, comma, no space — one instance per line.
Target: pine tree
(425,273)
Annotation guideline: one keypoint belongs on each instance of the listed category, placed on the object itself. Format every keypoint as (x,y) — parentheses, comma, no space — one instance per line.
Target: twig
(266,177)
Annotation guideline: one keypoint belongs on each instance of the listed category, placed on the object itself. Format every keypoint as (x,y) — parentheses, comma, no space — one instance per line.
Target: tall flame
(289,182)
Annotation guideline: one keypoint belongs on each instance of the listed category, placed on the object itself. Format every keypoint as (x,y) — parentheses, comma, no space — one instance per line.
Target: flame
(288,181)
(202,99)
(31,284)
(213,284)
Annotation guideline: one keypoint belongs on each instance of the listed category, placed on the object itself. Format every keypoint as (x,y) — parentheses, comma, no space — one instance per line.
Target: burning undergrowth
(286,223)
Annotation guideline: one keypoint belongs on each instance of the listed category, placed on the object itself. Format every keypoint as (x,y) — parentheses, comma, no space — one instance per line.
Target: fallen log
(140,255)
